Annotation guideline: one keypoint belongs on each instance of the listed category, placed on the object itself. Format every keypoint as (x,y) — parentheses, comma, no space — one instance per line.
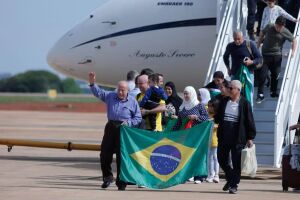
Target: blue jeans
(213,165)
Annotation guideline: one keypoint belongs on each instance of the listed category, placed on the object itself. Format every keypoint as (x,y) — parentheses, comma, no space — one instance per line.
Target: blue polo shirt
(119,110)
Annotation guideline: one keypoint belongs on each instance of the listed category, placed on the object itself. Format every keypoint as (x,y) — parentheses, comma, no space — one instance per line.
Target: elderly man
(122,109)
(236,129)
(274,36)
(143,85)
(240,54)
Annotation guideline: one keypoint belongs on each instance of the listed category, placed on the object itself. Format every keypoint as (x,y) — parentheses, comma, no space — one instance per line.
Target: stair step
(264,148)
(264,115)
(264,126)
(265,160)
(267,104)
(264,136)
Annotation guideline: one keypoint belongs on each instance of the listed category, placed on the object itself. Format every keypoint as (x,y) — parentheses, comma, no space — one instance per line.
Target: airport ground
(36,173)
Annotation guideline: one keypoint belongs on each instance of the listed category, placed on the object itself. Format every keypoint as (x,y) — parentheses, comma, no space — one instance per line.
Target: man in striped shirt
(236,130)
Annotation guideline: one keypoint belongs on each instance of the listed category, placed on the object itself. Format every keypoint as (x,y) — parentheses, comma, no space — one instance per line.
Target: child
(271,12)
(213,165)
(152,98)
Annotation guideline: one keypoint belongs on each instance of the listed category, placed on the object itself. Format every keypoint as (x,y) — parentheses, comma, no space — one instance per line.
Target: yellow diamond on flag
(164,159)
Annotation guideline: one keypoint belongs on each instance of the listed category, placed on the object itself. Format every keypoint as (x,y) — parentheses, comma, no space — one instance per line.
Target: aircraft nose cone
(57,56)
(51,58)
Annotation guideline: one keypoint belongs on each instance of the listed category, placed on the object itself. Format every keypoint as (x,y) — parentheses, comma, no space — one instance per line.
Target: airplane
(174,38)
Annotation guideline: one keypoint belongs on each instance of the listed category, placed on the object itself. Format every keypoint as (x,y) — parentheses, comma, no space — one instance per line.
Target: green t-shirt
(274,40)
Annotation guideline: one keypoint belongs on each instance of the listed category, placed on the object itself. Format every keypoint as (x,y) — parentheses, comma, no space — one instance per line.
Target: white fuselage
(174,38)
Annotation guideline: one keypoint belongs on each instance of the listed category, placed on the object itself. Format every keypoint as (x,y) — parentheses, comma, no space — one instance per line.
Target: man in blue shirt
(238,51)
(243,53)
(122,109)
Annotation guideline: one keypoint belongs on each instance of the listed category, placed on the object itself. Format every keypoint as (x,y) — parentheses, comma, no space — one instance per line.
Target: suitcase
(290,177)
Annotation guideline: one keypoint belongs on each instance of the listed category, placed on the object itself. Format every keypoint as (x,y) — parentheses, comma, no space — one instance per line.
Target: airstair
(274,115)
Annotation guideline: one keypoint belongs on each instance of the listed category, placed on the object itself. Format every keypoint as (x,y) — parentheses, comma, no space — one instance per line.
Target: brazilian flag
(244,76)
(163,159)
(214,92)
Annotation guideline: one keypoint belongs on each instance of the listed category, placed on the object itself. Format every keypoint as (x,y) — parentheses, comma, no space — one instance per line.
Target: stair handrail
(231,20)
(286,112)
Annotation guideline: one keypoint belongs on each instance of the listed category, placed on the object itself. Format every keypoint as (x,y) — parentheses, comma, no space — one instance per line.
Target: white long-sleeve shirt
(270,15)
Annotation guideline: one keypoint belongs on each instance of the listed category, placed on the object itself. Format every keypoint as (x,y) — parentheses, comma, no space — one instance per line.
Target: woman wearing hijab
(192,109)
(204,95)
(173,102)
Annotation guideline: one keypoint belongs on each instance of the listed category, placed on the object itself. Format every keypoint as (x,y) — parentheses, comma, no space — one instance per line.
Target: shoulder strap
(248,45)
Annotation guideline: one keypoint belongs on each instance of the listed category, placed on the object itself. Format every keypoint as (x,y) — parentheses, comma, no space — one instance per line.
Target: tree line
(38,81)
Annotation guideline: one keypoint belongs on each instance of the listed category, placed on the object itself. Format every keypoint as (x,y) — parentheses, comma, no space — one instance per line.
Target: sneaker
(209,180)
(233,190)
(260,98)
(197,182)
(274,95)
(226,186)
(216,179)
(191,179)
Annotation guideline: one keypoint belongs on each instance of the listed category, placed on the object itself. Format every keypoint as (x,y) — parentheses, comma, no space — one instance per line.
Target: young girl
(271,12)
(213,165)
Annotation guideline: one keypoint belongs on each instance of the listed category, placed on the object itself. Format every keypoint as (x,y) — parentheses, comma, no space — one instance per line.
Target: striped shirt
(231,117)
(231,111)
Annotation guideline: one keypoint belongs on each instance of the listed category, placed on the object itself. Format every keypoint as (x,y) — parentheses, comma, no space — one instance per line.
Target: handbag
(248,161)
(259,65)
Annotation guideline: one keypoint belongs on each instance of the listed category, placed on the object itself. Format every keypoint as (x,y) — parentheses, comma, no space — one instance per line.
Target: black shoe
(274,95)
(105,184)
(122,187)
(226,186)
(233,190)
(260,98)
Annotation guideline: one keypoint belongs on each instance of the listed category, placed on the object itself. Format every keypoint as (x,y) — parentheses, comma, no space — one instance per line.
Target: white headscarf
(188,105)
(205,95)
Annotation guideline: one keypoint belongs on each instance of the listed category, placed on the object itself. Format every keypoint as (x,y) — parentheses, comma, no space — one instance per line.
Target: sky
(29,28)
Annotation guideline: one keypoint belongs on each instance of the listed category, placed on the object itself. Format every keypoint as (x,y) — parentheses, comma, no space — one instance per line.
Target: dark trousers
(232,173)
(259,13)
(261,75)
(272,63)
(251,15)
(110,145)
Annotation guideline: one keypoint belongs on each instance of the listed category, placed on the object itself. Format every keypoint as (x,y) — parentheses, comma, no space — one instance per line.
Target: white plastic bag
(248,161)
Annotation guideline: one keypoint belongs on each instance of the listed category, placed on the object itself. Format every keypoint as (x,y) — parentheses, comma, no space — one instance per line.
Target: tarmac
(39,173)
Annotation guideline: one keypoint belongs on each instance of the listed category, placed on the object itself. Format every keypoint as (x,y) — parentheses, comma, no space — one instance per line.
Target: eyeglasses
(231,88)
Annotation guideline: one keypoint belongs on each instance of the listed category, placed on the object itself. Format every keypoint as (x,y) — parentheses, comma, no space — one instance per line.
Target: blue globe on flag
(165,159)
